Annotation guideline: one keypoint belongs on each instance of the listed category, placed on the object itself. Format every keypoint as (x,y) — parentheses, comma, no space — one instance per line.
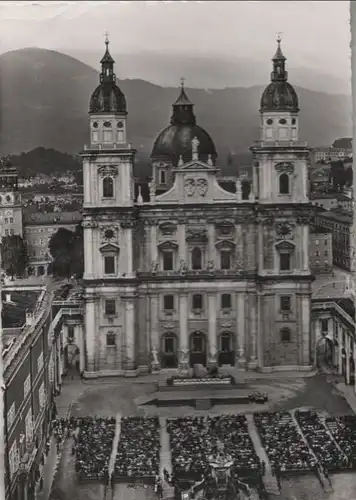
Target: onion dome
(279,95)
(176,140)
(107,97)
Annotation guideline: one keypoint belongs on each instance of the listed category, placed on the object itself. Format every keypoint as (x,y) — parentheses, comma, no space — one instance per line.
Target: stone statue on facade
(152,188)
(183,268)
(155,364)
(154,267)
(238,189)
(195,147)
(211,266)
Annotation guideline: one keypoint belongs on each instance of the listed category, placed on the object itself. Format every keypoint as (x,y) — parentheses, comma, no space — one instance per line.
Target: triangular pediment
(198,166)
(285,245)
(109,248)
(225,244)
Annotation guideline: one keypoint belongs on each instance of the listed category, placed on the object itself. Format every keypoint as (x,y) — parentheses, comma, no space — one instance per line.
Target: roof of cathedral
(107,97)
(279,95)
(176,139)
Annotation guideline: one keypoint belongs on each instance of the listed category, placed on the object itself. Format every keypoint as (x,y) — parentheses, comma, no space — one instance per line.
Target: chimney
(8,297)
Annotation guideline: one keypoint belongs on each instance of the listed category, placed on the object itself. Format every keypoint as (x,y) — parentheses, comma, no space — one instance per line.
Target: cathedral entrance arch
(71,358)
(198,349)
(226,349)
(169,345)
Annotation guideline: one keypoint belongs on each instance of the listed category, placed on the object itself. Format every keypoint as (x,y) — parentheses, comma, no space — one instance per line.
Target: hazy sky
(314,33)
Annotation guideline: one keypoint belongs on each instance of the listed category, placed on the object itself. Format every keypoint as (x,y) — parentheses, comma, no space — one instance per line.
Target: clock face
(109,233)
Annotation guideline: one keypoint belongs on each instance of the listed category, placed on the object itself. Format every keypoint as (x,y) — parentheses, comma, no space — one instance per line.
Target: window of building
(168,302)
(325,242)
(225,259)
(225,301)
(109,264)
(6,220)
(284,184)
(108,187)
(107,135)
(225,342)
(41,395)
(110,339)
(197,302)
(70,330)
(6,232)
(95,136)
(110,307)
(168,261)
(12,232)
(285,334)
(27,386)
(324,324)
(284,261)
(325,253)
(40,362)
(13,458)
(285,302)
(29,425)
(11,220)
(317,242)
(162,176)
(197,258)
(317,253)
(11,415)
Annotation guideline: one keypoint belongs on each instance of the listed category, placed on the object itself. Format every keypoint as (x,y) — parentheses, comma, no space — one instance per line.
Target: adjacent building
(321,251)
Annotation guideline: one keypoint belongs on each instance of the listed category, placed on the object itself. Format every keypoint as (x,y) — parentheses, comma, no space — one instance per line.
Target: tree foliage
(43,161)
(13,255)
(67,250)
(338,175)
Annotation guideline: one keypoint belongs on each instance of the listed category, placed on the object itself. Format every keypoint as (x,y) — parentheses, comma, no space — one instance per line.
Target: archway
(72,359)
(30,271)
(325,352)
(198,349)
(40,271)
(226,349)
(169,345)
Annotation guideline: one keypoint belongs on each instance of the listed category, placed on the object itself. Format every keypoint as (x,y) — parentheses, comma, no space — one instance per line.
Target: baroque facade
(196,274)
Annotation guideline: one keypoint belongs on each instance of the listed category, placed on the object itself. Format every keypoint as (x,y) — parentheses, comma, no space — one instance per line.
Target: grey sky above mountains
(315,35)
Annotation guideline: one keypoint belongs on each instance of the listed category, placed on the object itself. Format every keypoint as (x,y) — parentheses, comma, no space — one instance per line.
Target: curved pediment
(168,245)
(225,244)
(109,248)
(167,228)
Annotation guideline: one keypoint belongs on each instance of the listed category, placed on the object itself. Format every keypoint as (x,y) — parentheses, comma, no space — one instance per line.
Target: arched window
(284,261)
(169,343)
(285,335)
(284,184)
(110,339)
(225,259)
(196,258)
(108,187)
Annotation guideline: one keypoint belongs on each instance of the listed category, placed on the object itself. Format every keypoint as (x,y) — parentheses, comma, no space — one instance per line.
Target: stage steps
(165,458)
(203,404)
(269,480)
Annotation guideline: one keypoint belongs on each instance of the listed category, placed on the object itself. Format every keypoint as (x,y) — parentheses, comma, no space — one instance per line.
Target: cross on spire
(106,34)
(182,80)
(279,37)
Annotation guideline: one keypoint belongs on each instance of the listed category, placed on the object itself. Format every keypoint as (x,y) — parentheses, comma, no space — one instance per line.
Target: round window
(269,121)
(282,121)
(107,124)
(109,233)
(120,124)
(95,125)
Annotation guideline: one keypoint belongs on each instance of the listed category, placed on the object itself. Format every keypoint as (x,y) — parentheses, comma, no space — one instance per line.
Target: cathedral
(196,274)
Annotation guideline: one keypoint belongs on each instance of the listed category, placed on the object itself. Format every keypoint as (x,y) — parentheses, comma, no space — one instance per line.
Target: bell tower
(280,163)
(109,225)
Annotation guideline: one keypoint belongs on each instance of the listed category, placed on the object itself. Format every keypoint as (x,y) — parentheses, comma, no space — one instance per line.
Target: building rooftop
(338,215)
(15,305)
(52,218)
(320,230)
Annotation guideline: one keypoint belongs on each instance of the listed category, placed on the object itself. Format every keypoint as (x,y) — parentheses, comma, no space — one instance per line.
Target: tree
(14,255)
(67,251)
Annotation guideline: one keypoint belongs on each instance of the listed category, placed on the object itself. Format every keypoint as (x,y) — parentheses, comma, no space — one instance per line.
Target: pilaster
(183,333)
(252,364)
(130,337)
(211,244)
(347,349)
(154,334)
(90,333)
(213,352)
(339,352)
(305,329)
(240,330)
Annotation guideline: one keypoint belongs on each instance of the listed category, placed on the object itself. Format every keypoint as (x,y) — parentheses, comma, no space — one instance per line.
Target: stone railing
(214,273)
(299,144)
(179,381)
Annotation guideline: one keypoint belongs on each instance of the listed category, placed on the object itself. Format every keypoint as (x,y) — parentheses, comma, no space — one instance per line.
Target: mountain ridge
(45,97)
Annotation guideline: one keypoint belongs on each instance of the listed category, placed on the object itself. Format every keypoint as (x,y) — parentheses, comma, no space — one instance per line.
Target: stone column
(154,334)
(305,257)
(183,332)
(88,252)
(130,343)
(182,252)
(305,329)
(154,249)
(90,333)
(317,337)
(129,252)
(347,349)
(253,330)
(213,351)
(81,345)
(240,330)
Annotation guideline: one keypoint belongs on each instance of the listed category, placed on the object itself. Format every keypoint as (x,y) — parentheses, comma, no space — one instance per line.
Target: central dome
(176,139)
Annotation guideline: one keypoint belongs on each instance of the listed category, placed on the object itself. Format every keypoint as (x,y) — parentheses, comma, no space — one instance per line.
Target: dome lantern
(183,113)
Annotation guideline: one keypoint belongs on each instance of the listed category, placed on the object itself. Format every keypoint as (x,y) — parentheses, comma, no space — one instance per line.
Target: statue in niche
(211,265)
(155,356)
(154,266)
(183,268)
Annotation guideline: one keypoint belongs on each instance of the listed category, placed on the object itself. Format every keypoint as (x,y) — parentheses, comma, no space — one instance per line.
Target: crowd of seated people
(285,447)
(93,447)
(320,441)
(194,440)
(138,452)
(343,430)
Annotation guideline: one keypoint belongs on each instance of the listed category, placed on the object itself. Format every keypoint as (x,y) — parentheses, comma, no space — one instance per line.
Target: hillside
(45,95)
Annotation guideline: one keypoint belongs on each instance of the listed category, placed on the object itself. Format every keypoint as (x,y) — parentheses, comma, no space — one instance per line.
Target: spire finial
(182,81)
(279,37)
(106,34)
